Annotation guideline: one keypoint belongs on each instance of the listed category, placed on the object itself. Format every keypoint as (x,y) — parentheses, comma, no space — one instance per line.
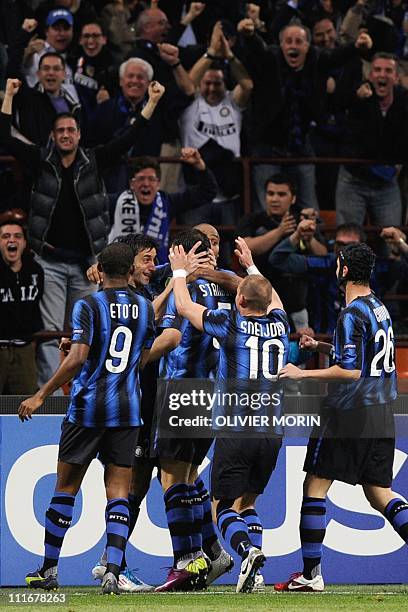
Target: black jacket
(272,75)
(33,111)
(45,166)
(20,294)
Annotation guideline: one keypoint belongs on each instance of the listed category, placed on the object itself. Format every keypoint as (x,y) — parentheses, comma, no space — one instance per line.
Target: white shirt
(200,122)
(31,72)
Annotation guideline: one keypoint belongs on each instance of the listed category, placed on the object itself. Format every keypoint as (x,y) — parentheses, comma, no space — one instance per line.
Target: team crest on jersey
(224,111)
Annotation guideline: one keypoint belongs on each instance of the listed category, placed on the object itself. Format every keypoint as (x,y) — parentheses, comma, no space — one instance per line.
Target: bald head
(152,25)
(254,293)
(213,236)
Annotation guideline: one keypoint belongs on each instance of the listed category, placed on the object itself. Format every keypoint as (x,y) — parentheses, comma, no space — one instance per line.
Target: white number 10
(253,343)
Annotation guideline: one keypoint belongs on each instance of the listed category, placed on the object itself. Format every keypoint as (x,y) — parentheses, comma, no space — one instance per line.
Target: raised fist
(246,27)
(12,87)
(29,25)
(364,41)
(155,91)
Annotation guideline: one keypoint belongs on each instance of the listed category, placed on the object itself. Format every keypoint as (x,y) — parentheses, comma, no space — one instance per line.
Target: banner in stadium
(360,546)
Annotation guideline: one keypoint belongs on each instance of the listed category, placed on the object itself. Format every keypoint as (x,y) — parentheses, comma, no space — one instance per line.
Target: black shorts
(361,461)
(190,450)
(82,444)
(242,465)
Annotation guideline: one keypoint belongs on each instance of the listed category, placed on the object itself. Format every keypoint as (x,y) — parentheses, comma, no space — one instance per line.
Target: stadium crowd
(93,92)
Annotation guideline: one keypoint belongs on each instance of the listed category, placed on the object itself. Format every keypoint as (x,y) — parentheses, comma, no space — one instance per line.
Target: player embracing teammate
(241,466)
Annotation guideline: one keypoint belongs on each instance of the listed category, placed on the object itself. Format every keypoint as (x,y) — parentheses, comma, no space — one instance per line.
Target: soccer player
(254,344)
(188,508)
(364,384)
(112,333)
(144,270)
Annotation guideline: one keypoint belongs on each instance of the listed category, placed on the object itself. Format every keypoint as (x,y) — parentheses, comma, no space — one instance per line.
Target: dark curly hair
(138,242)
(188,238)
(360,261)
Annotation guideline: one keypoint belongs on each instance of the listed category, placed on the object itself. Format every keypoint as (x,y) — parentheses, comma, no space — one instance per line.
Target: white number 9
(121,354)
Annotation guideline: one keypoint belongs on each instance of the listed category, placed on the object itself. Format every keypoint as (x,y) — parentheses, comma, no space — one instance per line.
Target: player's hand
(364,41)
(65,345)
(243,252)
(155,91)
(12,87)
(308,343)
(291,371)
(169,53)
(196,260)
(178,258)
(212,260)
(94,275)
(29,25)
(287,224)
(28,406)
(192,156)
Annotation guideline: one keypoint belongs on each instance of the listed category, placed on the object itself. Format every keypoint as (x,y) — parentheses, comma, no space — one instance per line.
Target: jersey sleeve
(349,342)
(171,318)
(277,314)
(82,323)
(216,323)
(151,329)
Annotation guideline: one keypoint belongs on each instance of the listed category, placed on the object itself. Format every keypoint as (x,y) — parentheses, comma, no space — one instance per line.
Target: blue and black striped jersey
(117,324)
(252,351)
(250,347)
(197,354)
(364,340)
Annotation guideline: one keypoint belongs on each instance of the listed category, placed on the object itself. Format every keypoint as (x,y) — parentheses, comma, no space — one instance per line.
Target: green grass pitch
(339,597)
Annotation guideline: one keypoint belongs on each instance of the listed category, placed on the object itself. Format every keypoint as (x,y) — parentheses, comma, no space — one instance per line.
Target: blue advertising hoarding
(360,546)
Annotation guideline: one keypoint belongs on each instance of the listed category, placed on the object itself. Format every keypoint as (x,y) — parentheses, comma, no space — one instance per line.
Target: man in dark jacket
(69,216)
(378,119)
(290,88)
(21,289)
(35,108)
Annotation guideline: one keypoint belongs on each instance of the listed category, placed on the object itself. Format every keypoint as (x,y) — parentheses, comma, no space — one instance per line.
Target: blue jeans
(63,285)
(303,176)
(355,197)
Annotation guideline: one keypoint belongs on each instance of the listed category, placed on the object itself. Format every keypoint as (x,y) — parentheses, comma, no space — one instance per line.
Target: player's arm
(333,374)
(168,340)
(184,304)
(227,280)
(243,252)
(310,344)
(195,261)
(75,359)
(144,359)
(160,301)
